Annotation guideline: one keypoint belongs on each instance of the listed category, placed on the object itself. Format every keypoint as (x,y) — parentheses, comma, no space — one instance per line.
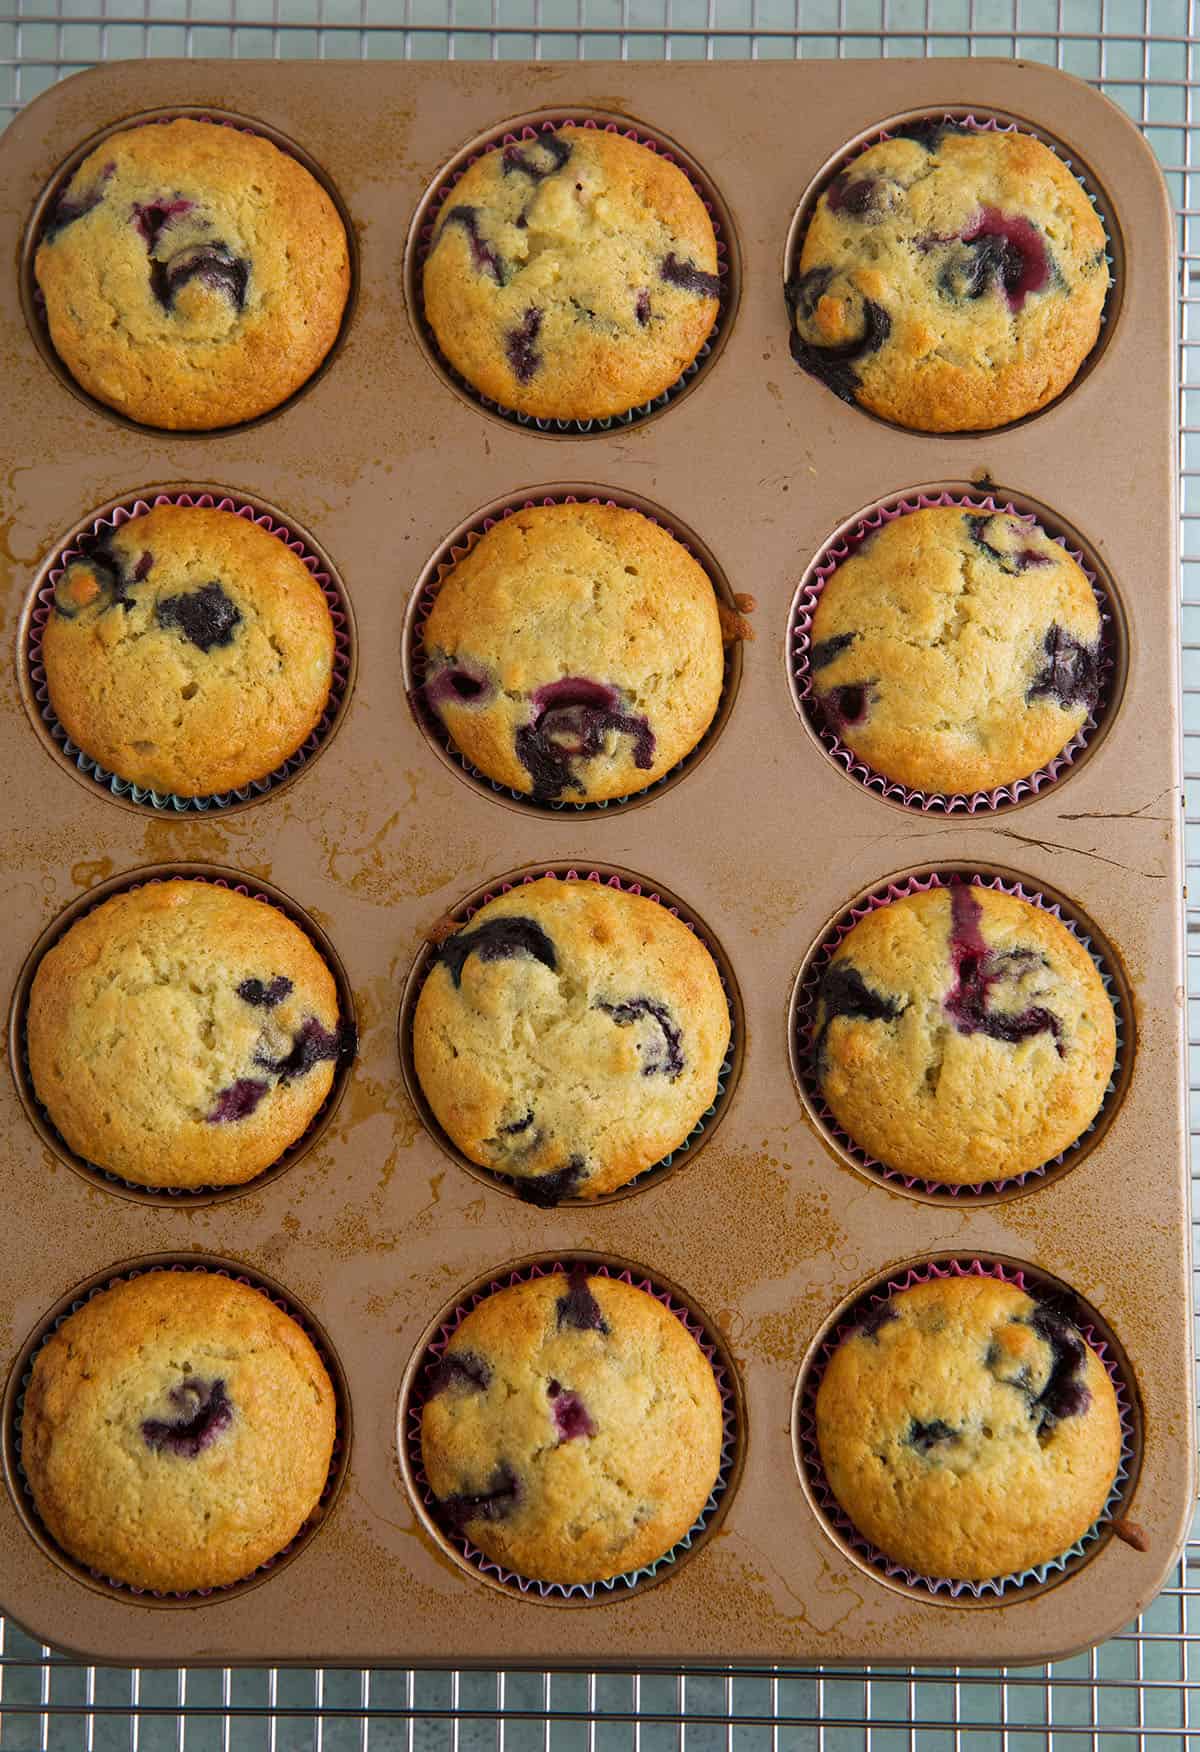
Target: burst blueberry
(206,617)
(204,1412)
(496,940)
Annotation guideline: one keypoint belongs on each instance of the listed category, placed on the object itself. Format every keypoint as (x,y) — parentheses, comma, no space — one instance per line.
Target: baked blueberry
(496,940)
(204,1411)
(206,616)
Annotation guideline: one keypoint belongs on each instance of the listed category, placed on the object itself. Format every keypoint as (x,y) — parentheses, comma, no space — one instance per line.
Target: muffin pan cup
(812,1472)
(766,1227)
(460,544)
(802,1024)
(530,127)
(843,547)
(12,1410)
(36,693)
(577,1593)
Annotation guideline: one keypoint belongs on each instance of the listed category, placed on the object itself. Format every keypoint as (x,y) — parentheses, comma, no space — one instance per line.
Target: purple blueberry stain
(204,1411)
(578,1308)
(842,707)
(571,719)
(825,651)
(152,218)
(264,995)
(520,345)
(458,1369)
(312,1044)
(976,970)
(832,365)
(571,1417)
(496,940)
(68,208)
(453,683)
(524,158)
(1070,674)
(997,250)
(518,1126)
(880,1315)
(642,308)
(661,1057)
(547,1190)
(206,617)
(483,257)
(868,198)
(238,1100)
(689,278)
(495,1503)
(925,1437)
(213,264)
(844,992)
(1064,1393)
(978,525)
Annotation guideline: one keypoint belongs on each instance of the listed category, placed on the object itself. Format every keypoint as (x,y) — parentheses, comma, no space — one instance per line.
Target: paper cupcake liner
(614,1586)
(648,1176)
(822,1492)
(336,1460)
(805,1025)
(158,801)
(613,422)
(186,1195)
(978,125)
(832,556)
(432,724)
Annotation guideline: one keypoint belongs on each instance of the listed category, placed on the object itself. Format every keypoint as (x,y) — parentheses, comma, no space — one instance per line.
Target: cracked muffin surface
(950,279)
(956,650)
(193,274)
(575,652)
(189,651)
(182,1035)
(570,1035)
(177,1431)
(573,276)
(968,1430)
(963,1035)
(572,1429)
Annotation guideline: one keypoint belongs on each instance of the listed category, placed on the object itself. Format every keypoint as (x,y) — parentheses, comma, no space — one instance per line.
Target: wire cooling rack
(1144,1685)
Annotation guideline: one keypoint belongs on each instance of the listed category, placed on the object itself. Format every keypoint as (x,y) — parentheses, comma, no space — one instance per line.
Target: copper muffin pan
(765,1228)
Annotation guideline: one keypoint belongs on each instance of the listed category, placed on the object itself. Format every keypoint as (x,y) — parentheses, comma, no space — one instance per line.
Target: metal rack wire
(1144,1685)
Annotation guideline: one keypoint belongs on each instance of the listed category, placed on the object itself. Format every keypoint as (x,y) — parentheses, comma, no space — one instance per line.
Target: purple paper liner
(647,1177)
(806,1430)
(184,1195)
(321,1507)
(114,519)
(832,556)
(805,1029)
(410,1421)
(631,415)
(432,724)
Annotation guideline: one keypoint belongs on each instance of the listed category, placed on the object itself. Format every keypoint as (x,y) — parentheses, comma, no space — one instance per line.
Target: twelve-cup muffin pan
(766,1232)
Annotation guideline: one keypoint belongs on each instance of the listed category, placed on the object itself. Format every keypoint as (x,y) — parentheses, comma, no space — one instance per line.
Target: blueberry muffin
(950,280)
(575,652)
(572,277)
(193,275)
(570,1036)
(968,1431)
(572,1430)
(956,651)
(183,1035)
(189,651)
(963,1035)
(177,1432)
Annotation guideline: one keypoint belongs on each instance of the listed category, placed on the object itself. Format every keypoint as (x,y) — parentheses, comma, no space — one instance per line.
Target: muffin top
(950,280)
(575,652)
(177,1431)
(572,1431)
(182,1034)
(956,650)
(570,1036)
(968,1431)
(190,651)
(572,277)
(963,1035)
(193,274)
